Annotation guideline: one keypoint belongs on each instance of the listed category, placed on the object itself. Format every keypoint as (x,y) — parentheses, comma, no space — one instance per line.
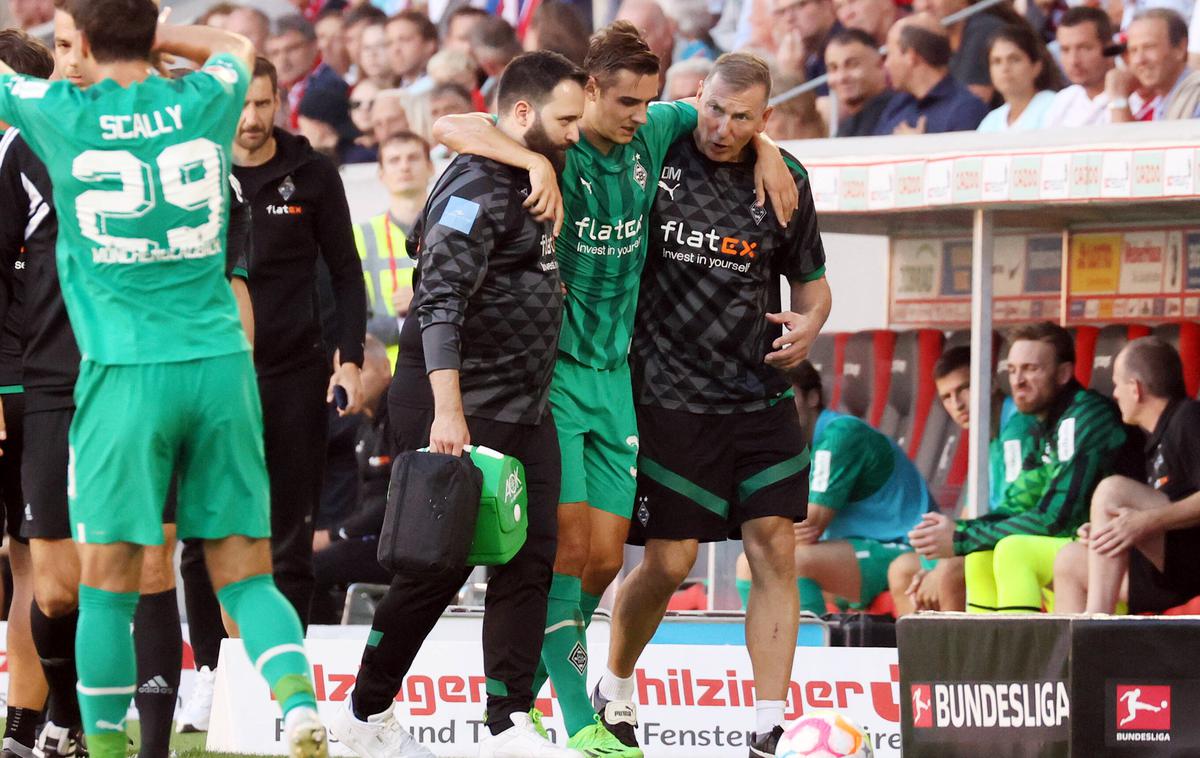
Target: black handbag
(432,506)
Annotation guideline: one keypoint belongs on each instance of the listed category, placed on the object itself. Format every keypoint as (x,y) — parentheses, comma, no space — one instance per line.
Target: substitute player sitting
(139,166)
(1146,533)
(708,360)
(864,495)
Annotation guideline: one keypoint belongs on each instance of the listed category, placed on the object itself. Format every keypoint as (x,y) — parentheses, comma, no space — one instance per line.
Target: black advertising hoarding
(1135,685)
(973,685)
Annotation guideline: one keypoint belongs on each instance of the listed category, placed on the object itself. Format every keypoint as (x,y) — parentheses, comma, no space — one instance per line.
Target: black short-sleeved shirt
(713,269)
(488,299)
(1173,451)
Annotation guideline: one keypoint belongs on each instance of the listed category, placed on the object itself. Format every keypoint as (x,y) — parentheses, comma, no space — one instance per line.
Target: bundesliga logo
(1143,713)
(990,705)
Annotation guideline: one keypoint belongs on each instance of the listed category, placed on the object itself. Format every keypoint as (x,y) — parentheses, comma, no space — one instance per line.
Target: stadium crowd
(324,300)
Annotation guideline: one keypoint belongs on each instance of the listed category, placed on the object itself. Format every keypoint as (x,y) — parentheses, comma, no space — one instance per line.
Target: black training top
(488,298)
(1173,451)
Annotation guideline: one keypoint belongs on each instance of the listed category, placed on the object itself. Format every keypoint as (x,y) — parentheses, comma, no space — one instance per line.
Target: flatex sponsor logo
(1143,713)
(991,706)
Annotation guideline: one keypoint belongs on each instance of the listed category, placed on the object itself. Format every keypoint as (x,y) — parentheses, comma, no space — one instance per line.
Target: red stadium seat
(911,393)
(865,375)
(1185,337)
(834,395)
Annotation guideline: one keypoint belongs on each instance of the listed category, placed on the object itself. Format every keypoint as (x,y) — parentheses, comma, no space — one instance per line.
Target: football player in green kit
(139,166)
(608,188)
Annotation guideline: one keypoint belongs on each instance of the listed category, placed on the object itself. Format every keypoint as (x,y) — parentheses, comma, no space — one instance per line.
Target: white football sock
(768,714)
(613,687)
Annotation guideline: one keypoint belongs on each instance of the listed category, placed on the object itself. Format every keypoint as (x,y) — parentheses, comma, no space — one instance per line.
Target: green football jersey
(602,247)
(142,195)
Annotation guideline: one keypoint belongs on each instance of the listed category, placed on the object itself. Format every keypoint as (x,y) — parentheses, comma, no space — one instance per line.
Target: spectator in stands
(683,78)
(1024,75)
(345,552)
(969,44)
(864,497)
(355,21)
(916,583)
(1084,36)
(875,17)
(494,44)
(388,114)
(331,41)
(457,68)
(292,49)
(373,55)
(449,99)
(652,22)
(1143,543)
(796,117)
(252,24)
(1076,442)
(216,15)
(858,79)
(1157,43)
(930,100)
(459,24)
(693,21)
(802,28)
(412,41)
(558,27)
(362,100)
(324,120)
(31,13)
(405,169)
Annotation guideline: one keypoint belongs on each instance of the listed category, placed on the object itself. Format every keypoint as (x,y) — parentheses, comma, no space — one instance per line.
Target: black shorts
(13,512)
(701,476)
(44,476)
(1154,591)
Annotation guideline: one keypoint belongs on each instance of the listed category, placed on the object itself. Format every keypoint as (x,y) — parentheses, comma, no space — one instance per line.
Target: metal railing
(950,20)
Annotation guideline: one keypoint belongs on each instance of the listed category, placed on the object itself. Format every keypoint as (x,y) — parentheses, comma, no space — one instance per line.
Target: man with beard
(477,355)
(301,220)
(1077,440)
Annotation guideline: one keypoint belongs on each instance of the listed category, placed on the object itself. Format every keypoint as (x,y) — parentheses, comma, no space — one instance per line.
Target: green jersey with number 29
(140,186)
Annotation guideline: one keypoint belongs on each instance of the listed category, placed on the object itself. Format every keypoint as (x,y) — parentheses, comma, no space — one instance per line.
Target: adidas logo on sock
(156,686)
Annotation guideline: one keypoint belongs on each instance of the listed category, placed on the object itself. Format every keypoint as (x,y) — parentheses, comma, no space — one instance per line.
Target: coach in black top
(1151,530)
(476,358)
(708,361)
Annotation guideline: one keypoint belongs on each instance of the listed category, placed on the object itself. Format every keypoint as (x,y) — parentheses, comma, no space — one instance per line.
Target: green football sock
(274,642)
(107,667)
(811,597)
(588,603)
(564,652)
(743,589)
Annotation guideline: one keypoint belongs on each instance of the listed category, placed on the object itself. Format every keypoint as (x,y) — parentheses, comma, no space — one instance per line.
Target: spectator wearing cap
(858,80)
(1025,76)
(802,30)
(252,24)
(875,17)
(373,61)
(293,51)
(1157,43)
(412,41)
(930,100)
(1084,38)
(324,119)
(969,41)
(683,78)
(331,41)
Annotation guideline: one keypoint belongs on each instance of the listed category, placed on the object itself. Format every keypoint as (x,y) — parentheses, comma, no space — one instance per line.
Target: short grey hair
(1177,27)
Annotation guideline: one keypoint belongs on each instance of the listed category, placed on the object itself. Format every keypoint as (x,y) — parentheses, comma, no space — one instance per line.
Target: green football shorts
(135,425)
(597,435)
(874,557)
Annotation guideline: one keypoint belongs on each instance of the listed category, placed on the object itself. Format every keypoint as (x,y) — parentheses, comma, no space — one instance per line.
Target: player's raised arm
(474,134)
(199,43)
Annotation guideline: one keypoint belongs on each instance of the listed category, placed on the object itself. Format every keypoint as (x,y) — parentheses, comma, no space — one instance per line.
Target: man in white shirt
(1157,41)
(1084,34)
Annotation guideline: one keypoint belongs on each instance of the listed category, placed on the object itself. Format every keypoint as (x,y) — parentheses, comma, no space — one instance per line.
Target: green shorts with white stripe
(701,476)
